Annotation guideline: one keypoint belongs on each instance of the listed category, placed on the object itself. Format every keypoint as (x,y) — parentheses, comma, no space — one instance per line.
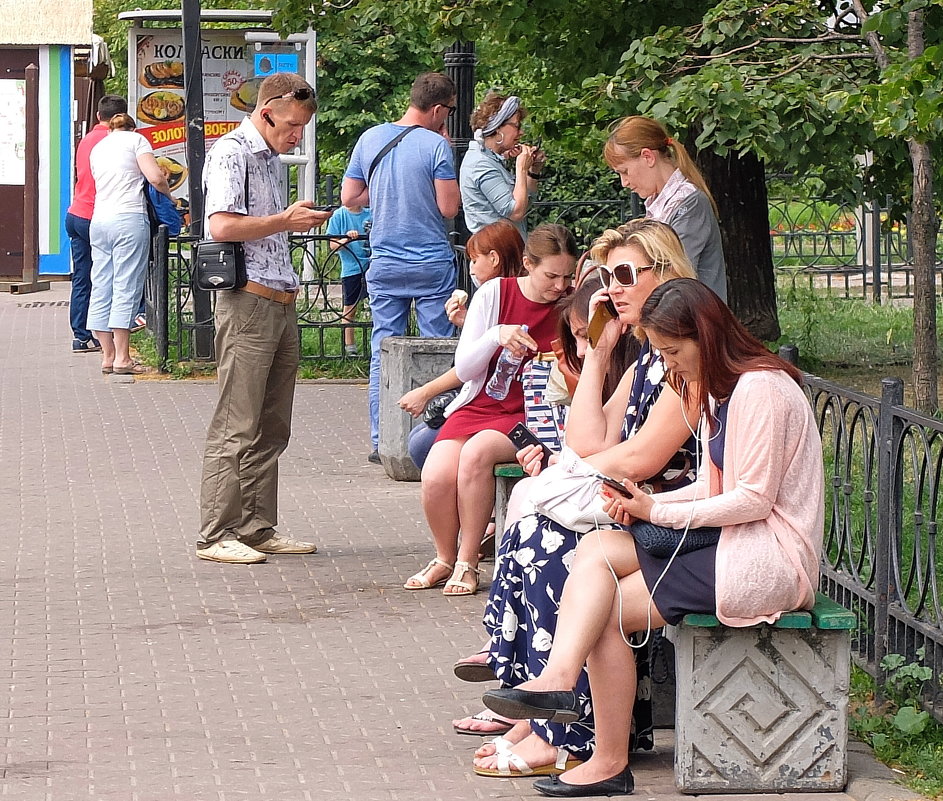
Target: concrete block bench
(763,709)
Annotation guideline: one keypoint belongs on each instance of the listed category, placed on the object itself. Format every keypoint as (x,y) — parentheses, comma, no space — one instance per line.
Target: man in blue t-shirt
(348,231)
(412,191)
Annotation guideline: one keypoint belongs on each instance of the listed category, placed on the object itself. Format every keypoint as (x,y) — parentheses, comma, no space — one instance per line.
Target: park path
(134,671)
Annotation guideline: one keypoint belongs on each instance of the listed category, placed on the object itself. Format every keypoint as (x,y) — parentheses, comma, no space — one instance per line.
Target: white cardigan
(477,342)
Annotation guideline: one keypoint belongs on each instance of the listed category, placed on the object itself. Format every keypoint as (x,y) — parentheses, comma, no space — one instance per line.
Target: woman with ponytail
(658,169)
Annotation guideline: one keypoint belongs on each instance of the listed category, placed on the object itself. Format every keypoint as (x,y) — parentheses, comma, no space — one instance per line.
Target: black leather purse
(220,265)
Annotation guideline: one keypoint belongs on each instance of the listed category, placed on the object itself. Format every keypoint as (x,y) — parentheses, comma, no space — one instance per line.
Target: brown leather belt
(285,298)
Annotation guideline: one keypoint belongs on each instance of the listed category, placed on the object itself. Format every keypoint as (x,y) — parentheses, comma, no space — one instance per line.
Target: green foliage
(902,734)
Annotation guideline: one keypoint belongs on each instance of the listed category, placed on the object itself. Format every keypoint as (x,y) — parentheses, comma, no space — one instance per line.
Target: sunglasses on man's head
(302,94)
(625,274)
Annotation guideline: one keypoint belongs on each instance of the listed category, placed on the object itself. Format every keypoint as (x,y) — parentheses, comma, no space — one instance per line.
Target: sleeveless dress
(533,564)
(484,412)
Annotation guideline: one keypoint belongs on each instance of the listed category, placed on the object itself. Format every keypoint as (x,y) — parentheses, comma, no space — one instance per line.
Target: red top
(83,199)
(483,411)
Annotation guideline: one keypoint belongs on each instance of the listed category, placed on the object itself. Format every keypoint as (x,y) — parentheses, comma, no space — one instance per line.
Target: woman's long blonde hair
(631,135)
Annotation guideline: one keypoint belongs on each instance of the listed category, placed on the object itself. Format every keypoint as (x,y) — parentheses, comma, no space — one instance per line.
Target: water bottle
(499,384)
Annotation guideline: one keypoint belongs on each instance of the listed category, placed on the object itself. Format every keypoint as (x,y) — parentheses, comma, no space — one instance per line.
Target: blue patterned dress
(532,566)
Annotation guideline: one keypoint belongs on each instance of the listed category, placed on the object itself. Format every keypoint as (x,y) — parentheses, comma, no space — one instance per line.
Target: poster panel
(13,132)
(156,96)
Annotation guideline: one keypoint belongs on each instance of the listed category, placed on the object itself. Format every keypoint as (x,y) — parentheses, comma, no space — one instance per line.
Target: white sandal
(510,765)
(461,568)
(421,579)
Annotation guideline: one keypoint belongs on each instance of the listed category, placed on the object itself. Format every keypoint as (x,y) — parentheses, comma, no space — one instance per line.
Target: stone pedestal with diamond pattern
(761,709)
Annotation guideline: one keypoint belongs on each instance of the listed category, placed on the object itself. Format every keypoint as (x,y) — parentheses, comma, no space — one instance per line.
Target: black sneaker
(88,346)
(374,458)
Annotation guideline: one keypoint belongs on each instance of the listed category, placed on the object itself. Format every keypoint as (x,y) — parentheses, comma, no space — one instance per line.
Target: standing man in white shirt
(257,347)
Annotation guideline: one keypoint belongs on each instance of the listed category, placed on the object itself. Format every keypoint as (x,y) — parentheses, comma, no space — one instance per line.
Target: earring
(501,140)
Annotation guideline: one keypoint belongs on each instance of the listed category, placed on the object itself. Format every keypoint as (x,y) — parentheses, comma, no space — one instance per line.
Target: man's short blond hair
(282,83)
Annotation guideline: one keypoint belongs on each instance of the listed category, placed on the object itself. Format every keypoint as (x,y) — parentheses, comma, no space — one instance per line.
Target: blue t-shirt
(407,224)
(354,254)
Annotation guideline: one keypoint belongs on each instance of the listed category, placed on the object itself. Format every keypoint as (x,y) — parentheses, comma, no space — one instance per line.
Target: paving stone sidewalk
(134,671)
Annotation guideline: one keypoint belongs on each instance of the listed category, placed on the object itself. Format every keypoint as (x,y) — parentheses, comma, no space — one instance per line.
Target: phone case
(522,436)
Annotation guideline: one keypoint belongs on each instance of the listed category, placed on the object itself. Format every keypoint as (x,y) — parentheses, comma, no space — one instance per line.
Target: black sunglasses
(625,274)
(450,108)
(302,94)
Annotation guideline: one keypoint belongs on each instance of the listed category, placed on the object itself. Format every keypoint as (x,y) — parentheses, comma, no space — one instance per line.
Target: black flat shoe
(620,784)
(559,706)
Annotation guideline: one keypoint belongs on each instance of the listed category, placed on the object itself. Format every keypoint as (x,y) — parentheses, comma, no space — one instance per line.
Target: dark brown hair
(684,308)
(504,239)
(550,239)
(431,89)
(110,105)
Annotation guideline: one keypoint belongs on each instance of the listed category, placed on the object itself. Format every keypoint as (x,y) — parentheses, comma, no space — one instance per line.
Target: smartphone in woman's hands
(618,486)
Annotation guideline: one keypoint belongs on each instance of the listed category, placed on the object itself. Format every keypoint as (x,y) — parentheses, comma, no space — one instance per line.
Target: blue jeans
(120,248)
(391,296)
(77,229)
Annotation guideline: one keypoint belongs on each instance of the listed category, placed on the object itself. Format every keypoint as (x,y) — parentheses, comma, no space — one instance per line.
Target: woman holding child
(457,477)
(640,433)
(760,482)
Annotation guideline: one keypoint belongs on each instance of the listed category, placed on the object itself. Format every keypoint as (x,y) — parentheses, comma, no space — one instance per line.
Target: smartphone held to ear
(522,436)
(605,312)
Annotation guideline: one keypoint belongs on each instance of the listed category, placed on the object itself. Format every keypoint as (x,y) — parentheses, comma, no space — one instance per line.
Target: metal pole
(876,252)
(889,494)
(196,156)
(460,62)
(30,267)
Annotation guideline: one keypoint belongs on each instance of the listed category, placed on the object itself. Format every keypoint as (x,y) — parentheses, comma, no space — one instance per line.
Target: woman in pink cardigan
(760,487)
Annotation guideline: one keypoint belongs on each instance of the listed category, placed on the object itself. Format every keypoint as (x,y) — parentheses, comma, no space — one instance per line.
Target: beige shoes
(276,543)
(231,552)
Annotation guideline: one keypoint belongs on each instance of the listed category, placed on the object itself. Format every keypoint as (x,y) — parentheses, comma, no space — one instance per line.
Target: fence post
(160,296)
(876,251)
(889,493)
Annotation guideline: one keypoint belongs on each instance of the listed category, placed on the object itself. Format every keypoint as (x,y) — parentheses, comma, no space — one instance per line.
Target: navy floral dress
(533,564)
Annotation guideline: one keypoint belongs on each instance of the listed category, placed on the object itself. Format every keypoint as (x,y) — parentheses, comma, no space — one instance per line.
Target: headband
(508,109)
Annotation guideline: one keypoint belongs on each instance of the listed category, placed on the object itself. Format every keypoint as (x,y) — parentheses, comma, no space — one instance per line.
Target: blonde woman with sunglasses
(640,432)
(658,169)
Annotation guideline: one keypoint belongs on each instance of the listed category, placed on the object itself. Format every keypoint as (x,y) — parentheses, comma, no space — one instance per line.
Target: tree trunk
(738,184)
(922,232)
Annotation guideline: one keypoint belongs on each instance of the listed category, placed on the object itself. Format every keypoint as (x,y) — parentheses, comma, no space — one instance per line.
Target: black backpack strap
(387,148)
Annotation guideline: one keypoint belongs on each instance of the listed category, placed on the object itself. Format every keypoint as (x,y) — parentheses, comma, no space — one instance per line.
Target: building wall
(45,22)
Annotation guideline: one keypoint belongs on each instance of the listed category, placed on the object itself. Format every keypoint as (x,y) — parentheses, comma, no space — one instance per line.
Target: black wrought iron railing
(881,558)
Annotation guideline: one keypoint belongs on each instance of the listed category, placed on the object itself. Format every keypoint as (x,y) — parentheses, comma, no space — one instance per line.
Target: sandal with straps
(421,578)
(465,588)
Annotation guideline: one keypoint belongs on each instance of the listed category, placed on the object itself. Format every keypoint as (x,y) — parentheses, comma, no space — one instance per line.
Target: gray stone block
(405,363)
(761,709)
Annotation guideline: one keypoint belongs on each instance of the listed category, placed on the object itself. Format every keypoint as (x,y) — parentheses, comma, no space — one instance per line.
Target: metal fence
(835,248)
(848,250)
(884,466)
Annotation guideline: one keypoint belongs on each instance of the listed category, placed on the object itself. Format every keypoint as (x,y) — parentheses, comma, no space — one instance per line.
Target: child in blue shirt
(347,229)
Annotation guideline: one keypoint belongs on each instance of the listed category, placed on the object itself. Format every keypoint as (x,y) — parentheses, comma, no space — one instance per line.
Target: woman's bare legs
(517,503)
(107,340)
(475,478)
(440,502)
(585,606)
(122,347)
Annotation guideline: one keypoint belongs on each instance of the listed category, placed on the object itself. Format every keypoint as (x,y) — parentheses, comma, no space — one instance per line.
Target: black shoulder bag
(221,265)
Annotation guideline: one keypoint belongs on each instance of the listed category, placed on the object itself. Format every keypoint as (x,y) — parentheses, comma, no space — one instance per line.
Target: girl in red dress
(458,475)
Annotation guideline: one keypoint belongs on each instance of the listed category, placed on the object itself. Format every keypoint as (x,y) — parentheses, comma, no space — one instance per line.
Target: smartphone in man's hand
(522,436)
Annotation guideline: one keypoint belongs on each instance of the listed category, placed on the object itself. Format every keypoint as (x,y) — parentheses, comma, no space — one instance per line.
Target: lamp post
(460,62)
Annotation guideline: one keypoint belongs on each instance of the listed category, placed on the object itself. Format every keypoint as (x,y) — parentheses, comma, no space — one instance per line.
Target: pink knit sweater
(769,501)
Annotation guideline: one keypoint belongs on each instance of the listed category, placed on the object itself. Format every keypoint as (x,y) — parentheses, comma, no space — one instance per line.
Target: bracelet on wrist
(535,175)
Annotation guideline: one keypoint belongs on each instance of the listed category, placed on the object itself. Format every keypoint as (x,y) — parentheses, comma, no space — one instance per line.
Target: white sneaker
(230,552)
(279,544)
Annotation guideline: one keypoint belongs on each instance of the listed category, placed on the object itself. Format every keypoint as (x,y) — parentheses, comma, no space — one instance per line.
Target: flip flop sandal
(487,716)
(107,370)
(132,369)
(508,760)
(421,579)
(471,670)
